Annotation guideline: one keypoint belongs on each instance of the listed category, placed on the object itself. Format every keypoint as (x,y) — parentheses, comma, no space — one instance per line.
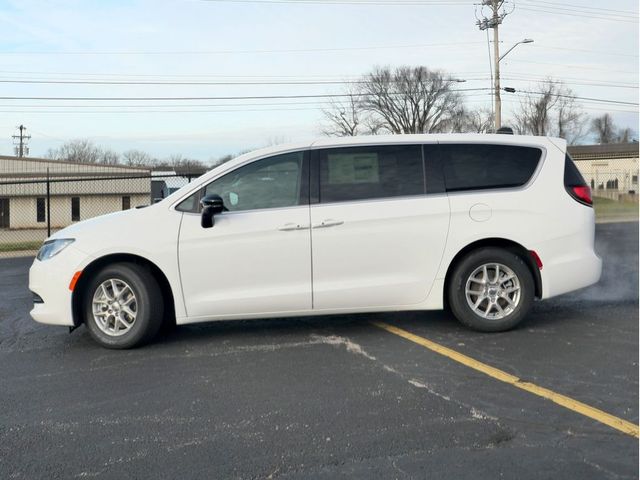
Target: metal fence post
(48,205)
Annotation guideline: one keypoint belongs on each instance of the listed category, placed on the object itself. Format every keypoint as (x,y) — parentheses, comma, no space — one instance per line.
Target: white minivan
(481,224)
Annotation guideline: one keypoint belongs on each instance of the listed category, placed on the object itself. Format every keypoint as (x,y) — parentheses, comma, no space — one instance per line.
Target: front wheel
(123,306)
(491,290)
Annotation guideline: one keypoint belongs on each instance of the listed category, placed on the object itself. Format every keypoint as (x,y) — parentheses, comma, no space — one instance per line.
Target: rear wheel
(491,290)
(123,306)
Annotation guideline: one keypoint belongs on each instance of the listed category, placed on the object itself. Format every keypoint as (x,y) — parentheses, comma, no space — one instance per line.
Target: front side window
(482,166)
(357,173)
(273,182)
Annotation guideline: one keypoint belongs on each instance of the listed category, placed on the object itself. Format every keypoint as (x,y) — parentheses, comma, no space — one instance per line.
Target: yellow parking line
(574,405)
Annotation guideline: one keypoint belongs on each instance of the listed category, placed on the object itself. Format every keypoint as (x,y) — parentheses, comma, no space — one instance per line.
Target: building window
(634,179)
(126,202)
(40,209)
(75,209)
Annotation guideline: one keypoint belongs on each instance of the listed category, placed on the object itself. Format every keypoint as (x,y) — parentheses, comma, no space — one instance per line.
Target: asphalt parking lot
(330,397)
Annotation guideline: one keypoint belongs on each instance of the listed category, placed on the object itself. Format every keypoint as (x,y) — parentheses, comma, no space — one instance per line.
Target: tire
(123,306)
(493,306)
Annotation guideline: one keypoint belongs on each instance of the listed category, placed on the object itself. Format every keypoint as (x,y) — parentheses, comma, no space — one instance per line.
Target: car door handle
(289,227)
(329,222)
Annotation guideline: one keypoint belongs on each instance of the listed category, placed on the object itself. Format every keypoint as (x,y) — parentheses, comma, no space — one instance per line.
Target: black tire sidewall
(149,305)
(458,301)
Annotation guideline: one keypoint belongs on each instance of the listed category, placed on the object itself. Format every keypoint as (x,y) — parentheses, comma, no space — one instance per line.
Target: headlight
(53,247)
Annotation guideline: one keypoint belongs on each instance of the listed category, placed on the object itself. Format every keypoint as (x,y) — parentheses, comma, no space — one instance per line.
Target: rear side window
(357,173)
(572,176)
(482,166)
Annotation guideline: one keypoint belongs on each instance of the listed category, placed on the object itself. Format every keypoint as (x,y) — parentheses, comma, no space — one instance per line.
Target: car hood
(92,225)
(117,228)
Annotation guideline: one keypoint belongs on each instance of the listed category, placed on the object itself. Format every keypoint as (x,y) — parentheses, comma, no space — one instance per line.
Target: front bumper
(50,280)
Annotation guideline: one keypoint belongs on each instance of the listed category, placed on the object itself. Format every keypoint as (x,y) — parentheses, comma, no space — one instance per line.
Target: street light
(497,59)
(526,40)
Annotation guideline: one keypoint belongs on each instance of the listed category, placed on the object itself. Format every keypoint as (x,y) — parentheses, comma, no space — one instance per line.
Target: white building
(164,183)
(77,191)
(610,169)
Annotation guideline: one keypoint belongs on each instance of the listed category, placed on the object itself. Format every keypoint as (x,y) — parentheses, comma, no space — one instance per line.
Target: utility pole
(20,142)
(496,20)
(493,21)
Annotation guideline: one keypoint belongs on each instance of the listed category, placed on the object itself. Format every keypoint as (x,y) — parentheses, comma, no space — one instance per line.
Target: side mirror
(211,205)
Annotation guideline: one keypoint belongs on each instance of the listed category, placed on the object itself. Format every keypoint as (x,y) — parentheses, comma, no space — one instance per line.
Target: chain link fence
(39,197)
(613,178)
(32,207)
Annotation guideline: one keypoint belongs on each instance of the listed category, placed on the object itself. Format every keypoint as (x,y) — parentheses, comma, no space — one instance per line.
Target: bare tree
(277,140)
(404,100)
(183,164)
(551,110)
(604,129)
(626,135)
(80,151)
(570,120)
(533,117)
(137,158)
(344,117)
(220,160)
(607,131)
(109,157)
(410,100)
(471,121)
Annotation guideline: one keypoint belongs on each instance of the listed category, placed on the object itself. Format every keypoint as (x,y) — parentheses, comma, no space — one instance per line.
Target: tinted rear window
(481,166)
(572,176)
(357,173)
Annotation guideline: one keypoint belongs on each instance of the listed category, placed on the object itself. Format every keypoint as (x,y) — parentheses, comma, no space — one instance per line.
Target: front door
(4,213)
(256,259)
(377,237)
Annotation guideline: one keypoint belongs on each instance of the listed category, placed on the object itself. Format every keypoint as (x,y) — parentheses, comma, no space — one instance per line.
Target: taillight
(582,194)
(574,183)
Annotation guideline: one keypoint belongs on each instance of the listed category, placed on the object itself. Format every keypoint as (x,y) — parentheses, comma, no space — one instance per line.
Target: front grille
(37,298)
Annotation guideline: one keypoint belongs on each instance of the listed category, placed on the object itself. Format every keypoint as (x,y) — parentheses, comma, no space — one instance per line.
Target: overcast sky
(593,49)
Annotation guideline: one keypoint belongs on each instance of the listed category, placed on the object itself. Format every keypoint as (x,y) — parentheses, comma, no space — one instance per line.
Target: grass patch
(19,246)
(607,209)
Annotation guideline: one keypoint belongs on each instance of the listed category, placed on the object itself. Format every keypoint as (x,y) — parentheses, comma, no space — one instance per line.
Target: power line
(580,67)
(134,82)
(599,52)
(31,72)
(585,7)
(317,103)
(600,100)
(557,12)
(575,97)
(560,82)
(347,2)
(470,76)
(156,111)
(581,10)
(240,52)
(533,77)
(595,12)
(238,97)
